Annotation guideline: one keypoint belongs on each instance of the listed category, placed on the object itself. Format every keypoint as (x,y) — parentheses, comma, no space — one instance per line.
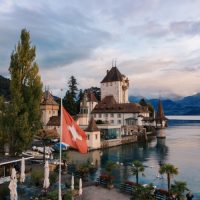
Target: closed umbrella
(72,182)
(80,192)
(13,185)
(46,175)
(22,175)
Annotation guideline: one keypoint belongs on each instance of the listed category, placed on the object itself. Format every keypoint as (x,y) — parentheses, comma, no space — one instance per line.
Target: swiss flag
(72,134)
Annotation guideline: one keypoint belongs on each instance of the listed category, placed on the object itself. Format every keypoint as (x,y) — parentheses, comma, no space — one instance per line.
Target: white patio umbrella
(80,192)
(22,175)
(46,175)
(72,182)
(13,185)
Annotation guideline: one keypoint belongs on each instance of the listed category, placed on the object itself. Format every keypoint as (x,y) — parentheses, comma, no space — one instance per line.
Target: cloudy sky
(156,42)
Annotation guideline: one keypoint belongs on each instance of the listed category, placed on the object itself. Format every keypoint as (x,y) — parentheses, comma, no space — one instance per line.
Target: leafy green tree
(80,97)
(70,99)
(178,188)
(143,193)
(137,167)
(151,110)
(142,102)
(26,90)
(170,170)
(96,91)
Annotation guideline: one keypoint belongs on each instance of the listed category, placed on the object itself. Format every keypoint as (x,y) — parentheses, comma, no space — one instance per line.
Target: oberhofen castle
(113,120)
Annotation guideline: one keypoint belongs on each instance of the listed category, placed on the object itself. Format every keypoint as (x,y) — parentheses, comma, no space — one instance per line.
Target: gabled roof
(92,126)
(48,99)
(112,75)
(109,105)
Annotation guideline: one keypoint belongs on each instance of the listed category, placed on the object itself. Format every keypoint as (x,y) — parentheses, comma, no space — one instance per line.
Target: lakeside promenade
(100,193)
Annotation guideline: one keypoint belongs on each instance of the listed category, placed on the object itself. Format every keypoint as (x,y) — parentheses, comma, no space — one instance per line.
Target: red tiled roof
(112,75)
(54,121)
(92,126)
(109,105)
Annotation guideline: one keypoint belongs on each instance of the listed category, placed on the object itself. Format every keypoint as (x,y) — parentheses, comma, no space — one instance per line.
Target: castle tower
(115,84)
(48,106)
(87,104)
(93,135)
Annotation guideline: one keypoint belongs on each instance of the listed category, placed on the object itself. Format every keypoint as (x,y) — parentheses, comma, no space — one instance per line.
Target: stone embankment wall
(119,141)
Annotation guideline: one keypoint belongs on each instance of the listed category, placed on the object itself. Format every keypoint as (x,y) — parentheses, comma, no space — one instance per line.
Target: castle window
(111,115)
(99,115)
(119,121)
(88,137)
(96,136)
(119,115)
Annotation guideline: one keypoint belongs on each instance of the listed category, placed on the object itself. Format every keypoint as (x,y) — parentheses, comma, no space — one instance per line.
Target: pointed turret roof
(112,75)
(48,99)
(92,126)
(160,112)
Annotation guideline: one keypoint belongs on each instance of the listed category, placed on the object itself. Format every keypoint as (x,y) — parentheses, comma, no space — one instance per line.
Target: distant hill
(5,87)
(189,105)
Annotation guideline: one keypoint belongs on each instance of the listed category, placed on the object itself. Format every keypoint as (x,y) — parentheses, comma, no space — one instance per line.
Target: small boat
(64,147)
(37,156)
(48,150)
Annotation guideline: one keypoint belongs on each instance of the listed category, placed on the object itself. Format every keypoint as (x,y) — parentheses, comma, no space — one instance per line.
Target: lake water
(180,148)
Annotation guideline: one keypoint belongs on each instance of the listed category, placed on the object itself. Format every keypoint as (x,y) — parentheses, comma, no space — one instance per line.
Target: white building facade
(115,84)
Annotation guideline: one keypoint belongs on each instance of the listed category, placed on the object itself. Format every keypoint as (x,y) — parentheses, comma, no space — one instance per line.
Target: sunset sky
(156,42)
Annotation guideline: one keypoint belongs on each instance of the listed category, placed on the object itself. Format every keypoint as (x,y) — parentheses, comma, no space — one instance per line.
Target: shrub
(37,177)
(53,177)
(4,191)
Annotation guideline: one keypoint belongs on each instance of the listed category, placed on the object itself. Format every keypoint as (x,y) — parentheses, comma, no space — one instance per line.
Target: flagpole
(59,189)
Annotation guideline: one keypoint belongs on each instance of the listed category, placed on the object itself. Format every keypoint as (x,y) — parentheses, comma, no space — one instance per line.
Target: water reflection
(125,155)
(181,148)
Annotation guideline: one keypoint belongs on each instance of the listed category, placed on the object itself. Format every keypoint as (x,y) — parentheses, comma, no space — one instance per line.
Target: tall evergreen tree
(70,99)
(80,97)
(96,91)
(26,90)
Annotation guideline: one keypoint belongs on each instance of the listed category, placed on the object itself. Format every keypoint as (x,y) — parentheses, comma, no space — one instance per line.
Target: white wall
(47,112)
(111,88)
(115,119)
(93,140)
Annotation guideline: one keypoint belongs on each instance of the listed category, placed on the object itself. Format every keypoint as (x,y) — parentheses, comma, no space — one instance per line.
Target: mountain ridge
(189,105)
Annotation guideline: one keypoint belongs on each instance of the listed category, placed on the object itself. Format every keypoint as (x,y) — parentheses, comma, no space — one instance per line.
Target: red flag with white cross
(72,134)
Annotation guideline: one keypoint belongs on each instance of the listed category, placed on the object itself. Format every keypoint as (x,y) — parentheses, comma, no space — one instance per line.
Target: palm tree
(110,166)
(179,188)
(170,170)
(137,167)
